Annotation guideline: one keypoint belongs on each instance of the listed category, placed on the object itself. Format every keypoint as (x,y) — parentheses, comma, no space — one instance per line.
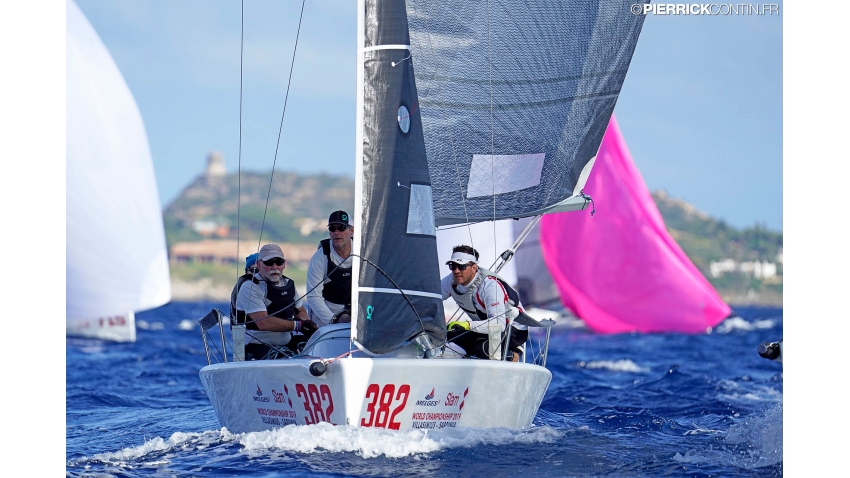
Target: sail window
(403,119)
(420,212)
(511,172)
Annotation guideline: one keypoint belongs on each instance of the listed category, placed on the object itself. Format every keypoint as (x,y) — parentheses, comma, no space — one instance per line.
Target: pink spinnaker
(620,271)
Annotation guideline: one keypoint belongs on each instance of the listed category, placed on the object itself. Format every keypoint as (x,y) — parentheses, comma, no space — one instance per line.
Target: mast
(396,298)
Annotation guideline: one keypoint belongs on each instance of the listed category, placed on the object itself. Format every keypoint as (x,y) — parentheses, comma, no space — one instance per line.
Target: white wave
(178,440)
(375,442)
(324,437)
(736,323)
(701,431)
(186,324)
(614,365)
(144,324)
(731,391)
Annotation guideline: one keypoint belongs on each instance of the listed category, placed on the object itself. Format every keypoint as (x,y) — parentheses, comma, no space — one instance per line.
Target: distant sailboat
(116,261)
(621,271)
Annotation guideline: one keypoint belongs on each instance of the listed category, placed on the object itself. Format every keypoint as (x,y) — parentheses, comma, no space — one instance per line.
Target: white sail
(115,241)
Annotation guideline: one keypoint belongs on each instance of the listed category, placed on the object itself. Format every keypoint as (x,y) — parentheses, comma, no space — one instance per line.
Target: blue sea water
(618,405)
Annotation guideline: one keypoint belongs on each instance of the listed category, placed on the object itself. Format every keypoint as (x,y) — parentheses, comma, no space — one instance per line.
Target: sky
(701,107)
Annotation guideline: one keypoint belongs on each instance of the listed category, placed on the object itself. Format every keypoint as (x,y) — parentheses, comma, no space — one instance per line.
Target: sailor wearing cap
(329,273)
(489,303)
(269,307)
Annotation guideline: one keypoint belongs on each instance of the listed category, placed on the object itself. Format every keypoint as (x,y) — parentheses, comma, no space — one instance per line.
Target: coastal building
(214,251)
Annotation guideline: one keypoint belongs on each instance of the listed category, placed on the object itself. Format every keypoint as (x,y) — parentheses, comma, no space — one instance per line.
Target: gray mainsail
(469,111)
(515,98)
(397,294)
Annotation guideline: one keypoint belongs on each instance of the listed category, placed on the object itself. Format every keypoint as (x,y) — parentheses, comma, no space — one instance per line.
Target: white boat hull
(394,393)
(119,328)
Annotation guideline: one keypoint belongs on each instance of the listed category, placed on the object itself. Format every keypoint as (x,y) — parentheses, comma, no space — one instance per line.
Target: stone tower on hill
(215,166)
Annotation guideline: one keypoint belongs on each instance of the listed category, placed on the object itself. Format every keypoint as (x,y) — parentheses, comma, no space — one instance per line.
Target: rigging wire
(280,129)
(492,126)
(239,166)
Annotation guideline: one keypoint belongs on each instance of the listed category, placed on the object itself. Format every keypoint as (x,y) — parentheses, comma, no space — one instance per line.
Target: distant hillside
(745,266)
(298,207)
(738,263)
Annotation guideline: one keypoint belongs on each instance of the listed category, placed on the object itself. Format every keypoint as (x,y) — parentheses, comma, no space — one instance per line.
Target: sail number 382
(380,411)
(318,402)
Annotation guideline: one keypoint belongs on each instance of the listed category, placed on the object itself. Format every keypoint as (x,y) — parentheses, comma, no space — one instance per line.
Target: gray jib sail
(515,98)
(398,289)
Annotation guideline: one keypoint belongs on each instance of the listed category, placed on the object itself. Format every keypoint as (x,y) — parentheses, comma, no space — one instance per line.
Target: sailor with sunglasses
(489,302)
(269,307)
(329,273)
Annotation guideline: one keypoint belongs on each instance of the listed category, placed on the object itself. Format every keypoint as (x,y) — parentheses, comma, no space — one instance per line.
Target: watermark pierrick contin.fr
(705,9)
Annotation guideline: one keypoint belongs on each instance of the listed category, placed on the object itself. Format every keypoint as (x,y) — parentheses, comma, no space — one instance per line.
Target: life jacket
(338,290)
(234,294)
(281,298)
(466,300)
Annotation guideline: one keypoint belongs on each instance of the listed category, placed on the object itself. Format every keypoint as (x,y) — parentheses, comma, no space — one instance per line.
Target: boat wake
(375,442)
(321,438)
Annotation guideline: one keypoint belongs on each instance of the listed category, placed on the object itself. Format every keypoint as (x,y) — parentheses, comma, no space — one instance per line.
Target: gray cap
(270,251)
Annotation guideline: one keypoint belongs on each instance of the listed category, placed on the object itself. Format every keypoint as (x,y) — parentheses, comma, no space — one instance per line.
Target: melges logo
(428,402)
(260,397)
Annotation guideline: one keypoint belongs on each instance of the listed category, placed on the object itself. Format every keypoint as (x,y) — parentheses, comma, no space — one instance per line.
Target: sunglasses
(460,267)
(277,261)
(337,228)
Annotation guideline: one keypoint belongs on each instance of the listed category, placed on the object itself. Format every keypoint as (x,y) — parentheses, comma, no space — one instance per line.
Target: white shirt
(252,298)
(490,297)
(322,311)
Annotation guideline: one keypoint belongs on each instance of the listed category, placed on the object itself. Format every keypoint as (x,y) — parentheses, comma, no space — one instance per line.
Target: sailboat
(116,260)
(466,112)
(620,271)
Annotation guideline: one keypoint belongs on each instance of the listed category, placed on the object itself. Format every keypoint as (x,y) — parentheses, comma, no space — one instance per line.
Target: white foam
(624,365)
(327,438)
(736,323)
(186,324)
(177,440)
(144,324)
(374,442)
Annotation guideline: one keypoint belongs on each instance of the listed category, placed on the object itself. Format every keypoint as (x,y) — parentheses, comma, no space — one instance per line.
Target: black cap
(338,217)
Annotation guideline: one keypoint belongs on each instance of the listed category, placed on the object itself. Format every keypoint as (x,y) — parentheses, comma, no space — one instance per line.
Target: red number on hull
(314,397)
(383,398)
(405,390)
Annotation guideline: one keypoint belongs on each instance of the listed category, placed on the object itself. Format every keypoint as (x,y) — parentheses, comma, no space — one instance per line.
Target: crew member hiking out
(489,303)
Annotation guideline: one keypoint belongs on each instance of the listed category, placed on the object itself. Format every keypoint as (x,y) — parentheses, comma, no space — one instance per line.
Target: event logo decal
(277,412)
(260,397)
(428,402)
(441,412)
(279,397)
